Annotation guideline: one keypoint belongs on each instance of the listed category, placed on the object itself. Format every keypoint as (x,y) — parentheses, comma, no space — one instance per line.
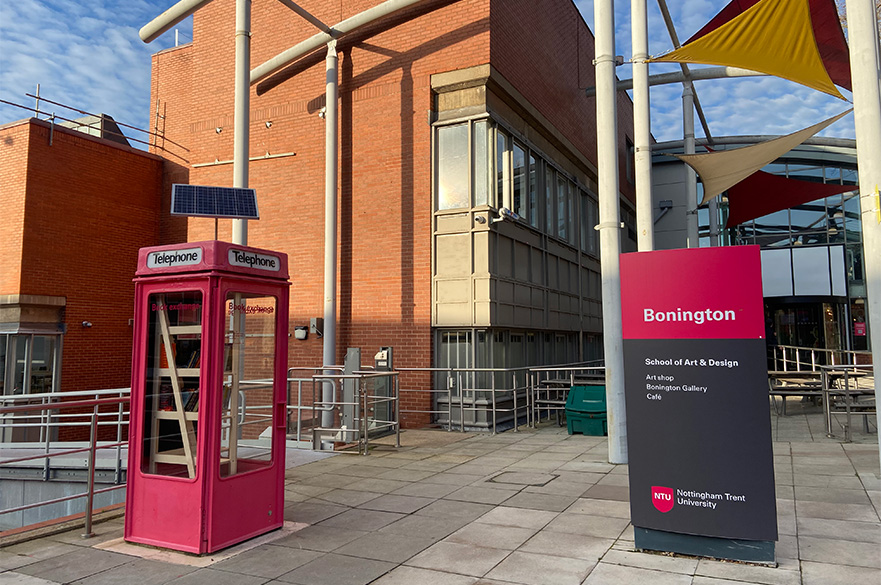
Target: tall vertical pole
(642,158)
(242,109)
(331,139)
(865,65)
(691,227)
(610,236)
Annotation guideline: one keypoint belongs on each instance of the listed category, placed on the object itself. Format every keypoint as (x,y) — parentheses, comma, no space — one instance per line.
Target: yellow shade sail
(773,36)
(722,169)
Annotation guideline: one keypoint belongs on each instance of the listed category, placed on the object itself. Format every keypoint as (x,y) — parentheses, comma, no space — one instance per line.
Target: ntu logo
(662,498)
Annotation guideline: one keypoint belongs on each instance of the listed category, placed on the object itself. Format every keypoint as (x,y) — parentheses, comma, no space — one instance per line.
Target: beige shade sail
(773,36)
(722,169)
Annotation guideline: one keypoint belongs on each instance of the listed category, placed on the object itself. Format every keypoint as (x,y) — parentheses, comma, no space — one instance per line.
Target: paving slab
(320,538)
(609,574)
(268,561)
(519,517)
(395,548)
(588,548)
(840,529)
(416,576)
(587,525)
(424,526)
(653,561)
(537,569)
(536,501)
(491,535)
(453,509)
(361,519)
(827,550)
(457,558)
(78,564)
(834,574)
(750,573)
(481,494)
(13,578)
(397,503)
(334,569)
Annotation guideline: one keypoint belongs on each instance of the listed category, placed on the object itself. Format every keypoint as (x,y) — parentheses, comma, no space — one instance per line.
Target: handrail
(91,449)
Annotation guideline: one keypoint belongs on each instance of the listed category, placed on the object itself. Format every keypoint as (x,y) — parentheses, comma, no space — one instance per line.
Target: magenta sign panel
(698,417)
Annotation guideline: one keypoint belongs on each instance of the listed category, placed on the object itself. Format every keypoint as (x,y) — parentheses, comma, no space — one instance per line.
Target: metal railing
(786,358)
(45,405)
(849,389)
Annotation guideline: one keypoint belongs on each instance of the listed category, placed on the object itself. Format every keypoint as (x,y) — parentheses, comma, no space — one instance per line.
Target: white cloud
(86,55)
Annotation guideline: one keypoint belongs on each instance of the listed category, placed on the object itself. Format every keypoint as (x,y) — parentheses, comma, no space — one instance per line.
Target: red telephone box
(208,402)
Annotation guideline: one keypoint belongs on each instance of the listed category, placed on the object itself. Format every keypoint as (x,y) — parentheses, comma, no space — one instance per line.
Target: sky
(87,54)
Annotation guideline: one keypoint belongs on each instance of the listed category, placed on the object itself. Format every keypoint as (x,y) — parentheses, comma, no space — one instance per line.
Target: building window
(533,193)
(480,162)
(518,170)
(452,167)
(28,363)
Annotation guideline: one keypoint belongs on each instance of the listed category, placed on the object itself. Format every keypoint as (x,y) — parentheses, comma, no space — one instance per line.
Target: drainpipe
(691,227)
(609,227)
(865,63)
(330,225)
(242,111)
(642,155)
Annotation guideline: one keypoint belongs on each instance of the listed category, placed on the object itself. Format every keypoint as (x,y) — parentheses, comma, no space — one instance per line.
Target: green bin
(586,424)
(586,411)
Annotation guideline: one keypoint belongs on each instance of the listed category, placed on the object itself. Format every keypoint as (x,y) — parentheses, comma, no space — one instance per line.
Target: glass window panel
(452,167)
(775,168)
(810,271)
(771,230)
(562,207)
(852,223)
(3,341)
(849,177)
(571,215)
(776,273)
(806,172)
(833,175)
(502,172)
(593,218)
(480,162)
(19,368)
(247,402)
(518,168)
(550,201)
(533,192)
(171,384)
(585,223)
(808,222)
(42,363)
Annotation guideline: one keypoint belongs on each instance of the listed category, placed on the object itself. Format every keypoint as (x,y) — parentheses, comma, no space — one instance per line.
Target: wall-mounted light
(218,129)
(87,324)
(269,123)
(480,219)
(322,112)
(301,332)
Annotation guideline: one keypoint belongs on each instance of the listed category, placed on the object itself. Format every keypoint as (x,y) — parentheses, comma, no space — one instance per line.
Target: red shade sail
(763,193)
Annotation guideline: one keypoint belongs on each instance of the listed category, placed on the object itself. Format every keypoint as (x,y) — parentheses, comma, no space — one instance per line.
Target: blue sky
(88,55)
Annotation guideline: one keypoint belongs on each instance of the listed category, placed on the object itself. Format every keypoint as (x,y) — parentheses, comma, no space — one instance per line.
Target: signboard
(171,258)
(696,387)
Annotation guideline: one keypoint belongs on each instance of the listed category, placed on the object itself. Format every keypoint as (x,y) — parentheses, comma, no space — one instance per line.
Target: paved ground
(528,508)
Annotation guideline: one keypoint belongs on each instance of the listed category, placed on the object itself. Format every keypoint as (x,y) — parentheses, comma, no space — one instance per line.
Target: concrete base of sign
(754,551)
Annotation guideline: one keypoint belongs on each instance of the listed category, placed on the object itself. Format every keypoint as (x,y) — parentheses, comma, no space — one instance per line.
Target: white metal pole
(609,227)
(242,111)
(642,157)
(691,227)
(330,224)
(865,65)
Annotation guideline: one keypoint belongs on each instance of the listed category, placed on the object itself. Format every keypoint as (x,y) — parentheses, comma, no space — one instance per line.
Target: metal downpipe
(642,155)
(691,204)
(242,111)
(331,139)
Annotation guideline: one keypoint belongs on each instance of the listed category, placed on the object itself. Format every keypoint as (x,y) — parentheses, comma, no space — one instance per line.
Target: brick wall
(546,50)
(385,204)
(91,204)
(13,177)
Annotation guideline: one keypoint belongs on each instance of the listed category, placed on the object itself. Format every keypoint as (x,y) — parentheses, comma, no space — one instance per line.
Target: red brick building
(76,210)
(448,112)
